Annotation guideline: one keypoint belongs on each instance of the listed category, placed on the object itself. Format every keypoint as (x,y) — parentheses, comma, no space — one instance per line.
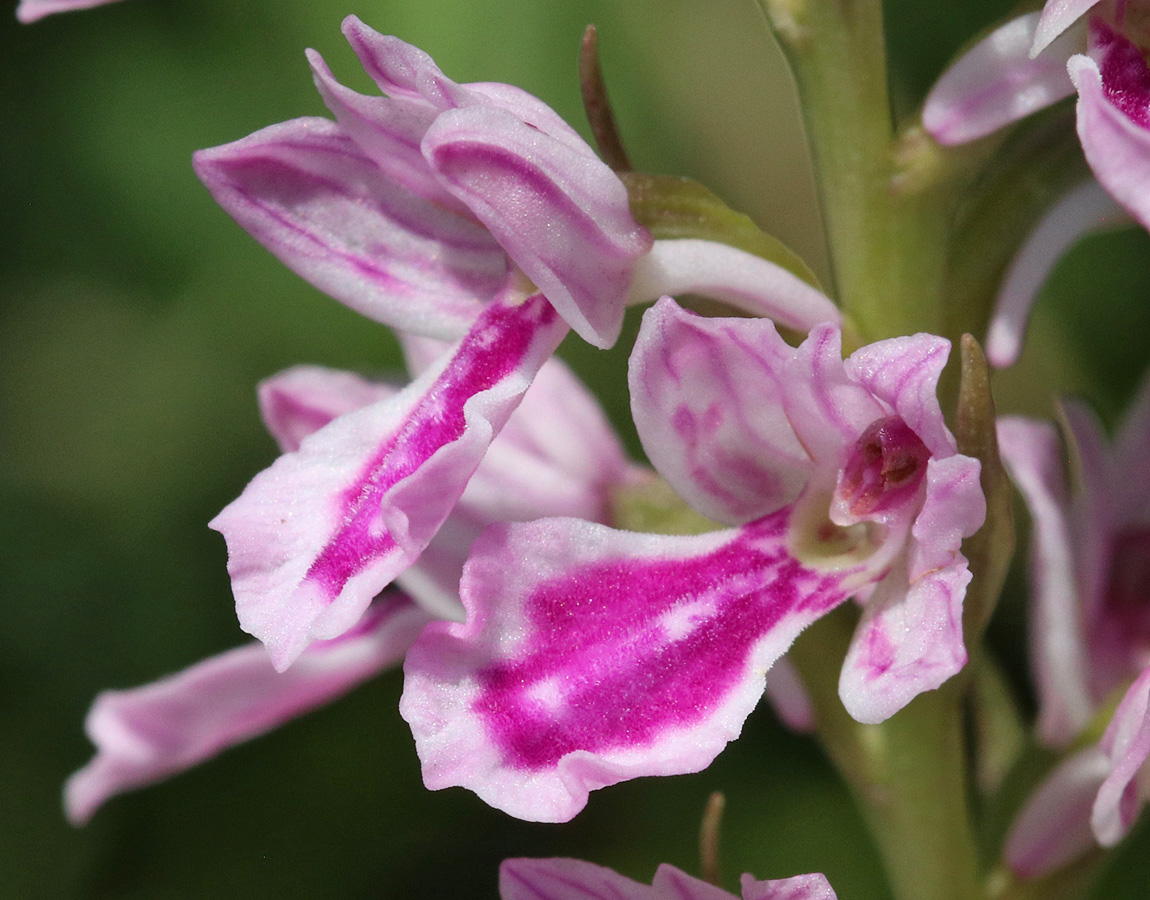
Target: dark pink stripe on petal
(591,656)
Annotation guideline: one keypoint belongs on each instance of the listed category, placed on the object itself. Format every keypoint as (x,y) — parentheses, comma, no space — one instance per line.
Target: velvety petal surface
(1053,828)
(301,400)
(569,879)
(995,83)
(591,656)
(745,281)
(149,733)
(707,402)
(1057,16)
(313,538)
(1081,211)
(562,215)
(1033,456)
(800,887)
(1126,744)
(306,191)
(31,10)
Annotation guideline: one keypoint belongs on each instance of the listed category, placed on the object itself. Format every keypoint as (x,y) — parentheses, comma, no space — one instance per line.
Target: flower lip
(884,470)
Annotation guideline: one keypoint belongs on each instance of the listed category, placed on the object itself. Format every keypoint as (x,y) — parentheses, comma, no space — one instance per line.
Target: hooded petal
(1081,211)
(32,10)
(910,636)
(707,402)
(150,733)
(305,191)
(745,281)
(300,401)
(995,83)
(1033,457)
(401,69)
(1053,828)
(1117,147)
(591,656)
(1126,744)
(315,537)
(562,215)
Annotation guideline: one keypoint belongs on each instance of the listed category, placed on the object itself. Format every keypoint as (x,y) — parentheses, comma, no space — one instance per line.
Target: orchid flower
(557,455)
(573,879)
(33,10)
(590,656)
(445,210)
(1090,638)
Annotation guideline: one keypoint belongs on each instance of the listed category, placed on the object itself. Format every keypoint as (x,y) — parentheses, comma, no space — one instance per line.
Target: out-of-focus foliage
(135,319)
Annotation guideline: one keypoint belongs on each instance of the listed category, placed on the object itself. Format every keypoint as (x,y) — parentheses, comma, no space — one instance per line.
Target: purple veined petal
(569,879)
(789,698)
(1057,17)
(305,191)
(532,111)
(33,10)
(1116,146)
(591,656)
(745,281)
(301,400)
(313,538)
(388,130)
(673,884)
(1126,744)
(827,409)
(402,70)
(562,216)
(903,373)
(997,82)
(1080,211)
(800,887)
(1053,828)
(706,399)
(1033,457)
(150,733)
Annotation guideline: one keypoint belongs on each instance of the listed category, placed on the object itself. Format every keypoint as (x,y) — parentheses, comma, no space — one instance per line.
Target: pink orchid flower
(1090,639)
(590,656)
(447,210)
(557,455)
(32,10)
(1092,47)
(573,879)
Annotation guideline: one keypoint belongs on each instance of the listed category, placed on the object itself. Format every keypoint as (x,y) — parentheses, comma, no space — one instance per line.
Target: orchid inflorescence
(834,470)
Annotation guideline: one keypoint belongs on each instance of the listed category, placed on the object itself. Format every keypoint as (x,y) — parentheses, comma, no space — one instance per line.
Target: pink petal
(1132,457)
(592,656)
(706,400)
(1127,745)
(800,887)
(789,698)
(1053,828)
(1081,211)
(402,70)
(995,83)
(300,401)
(673,884)
(1057,17)
(315,537)
(306,192)
(903,373)
(150,733)
(910,636)
(32,10)
(1116,147)
(562,216)
(1033,457)
(743,280)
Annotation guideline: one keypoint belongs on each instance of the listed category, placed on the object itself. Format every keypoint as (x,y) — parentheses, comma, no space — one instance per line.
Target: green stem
(908,774)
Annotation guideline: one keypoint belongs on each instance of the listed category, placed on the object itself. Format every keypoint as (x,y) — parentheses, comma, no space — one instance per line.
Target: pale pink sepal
(910,636)
(1033,456)
(592,656)
(789,698)
(1116,147)
(561,214)
(315,537)
(995,83)
(1053,828)
(1082,210)
(741,279)
(150,733)
(305,190)
(1126,744)
(32,10)
(1057,17)
(706,398)
(798,887)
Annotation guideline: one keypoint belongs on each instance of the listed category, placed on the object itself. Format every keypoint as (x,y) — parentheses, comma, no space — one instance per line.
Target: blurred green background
(135,320)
